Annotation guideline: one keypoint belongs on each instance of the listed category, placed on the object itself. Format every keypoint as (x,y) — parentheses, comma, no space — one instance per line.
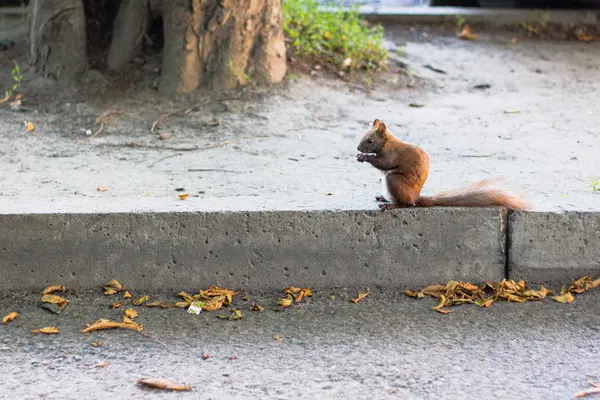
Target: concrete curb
(477,16)
(251,250)
(551,247)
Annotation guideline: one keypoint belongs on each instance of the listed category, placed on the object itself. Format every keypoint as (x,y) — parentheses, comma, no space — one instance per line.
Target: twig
(100,120)
(98,131)
(210,170)
(159,121)
(587,392)
(476,155)
(164,158)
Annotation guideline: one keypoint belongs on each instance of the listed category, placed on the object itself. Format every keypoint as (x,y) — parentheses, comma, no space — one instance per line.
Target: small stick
(587,392)
(102,117)
(97,132)
(210,170)
(158,121)
(164,158)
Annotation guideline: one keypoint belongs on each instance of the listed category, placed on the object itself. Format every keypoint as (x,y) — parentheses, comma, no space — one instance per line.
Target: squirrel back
(406,168)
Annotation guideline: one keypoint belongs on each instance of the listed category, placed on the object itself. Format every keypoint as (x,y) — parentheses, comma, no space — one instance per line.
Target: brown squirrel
(405,168)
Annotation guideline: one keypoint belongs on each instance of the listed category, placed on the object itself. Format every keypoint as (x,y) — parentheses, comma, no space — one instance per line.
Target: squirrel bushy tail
(480,194)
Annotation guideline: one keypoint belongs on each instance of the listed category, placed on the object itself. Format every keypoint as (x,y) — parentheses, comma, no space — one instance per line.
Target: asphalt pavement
(387,346)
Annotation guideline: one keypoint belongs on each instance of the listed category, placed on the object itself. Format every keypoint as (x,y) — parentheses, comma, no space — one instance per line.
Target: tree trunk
(214,44)
(57,38)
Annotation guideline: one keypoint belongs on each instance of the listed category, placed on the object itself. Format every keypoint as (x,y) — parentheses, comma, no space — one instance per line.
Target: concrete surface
(385,347)
(552,247)
(251,250)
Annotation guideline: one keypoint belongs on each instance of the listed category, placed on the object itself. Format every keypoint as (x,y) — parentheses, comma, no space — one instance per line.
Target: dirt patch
(523,111)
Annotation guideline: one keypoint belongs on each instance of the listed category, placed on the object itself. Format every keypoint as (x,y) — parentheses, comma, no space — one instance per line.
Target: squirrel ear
(376,123)
(381,129)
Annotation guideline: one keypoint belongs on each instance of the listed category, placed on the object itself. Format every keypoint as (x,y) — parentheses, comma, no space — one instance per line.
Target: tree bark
(57,38)
(214,44)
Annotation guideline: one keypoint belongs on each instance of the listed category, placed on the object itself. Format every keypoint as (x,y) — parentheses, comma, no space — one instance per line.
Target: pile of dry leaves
(458,292)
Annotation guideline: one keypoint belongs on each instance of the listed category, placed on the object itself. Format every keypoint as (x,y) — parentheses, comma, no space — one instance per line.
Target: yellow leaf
(29,127)
(112,287)
(185,296)
(285,302)
(127,295)
(9,317)
(182,304)
(5,99)
(278,337)
(359,297)
(183,196)
(97,343)
(116,305)
(413,293)
(131,313)
(155,303)
(102,324)
(213,306)
(487,302)
(305,292)
(158,383)
(291,290)
(258,307)
(141,300)
(237,314)
(515,299)
(127,320)
(49,330)
(54,288)
(443,311)
(441,304)
(564,298)
(466,34)
(434,290)
(54,299)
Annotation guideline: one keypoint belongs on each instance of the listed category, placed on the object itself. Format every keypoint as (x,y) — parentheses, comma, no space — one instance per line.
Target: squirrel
(406,167)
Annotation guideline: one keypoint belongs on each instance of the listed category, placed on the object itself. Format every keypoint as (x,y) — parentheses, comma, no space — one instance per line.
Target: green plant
(333,35)
(17,77)
(460,21)
(595,185)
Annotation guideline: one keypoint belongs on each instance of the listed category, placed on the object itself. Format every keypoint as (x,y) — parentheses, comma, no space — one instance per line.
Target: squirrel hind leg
(381,199)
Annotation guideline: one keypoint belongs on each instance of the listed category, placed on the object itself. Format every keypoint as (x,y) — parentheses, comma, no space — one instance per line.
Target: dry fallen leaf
(359,297)
(159,383)
(205,356)
(412,293)
(102,324)
(140,301)
(285,302)
(258,307)
(97,343)
(278,337)
(213,305)
(594,390)
(5,98)
(564,298)
(102,188)
(49,330)
(101,365)
(29,126)
(514,40)
(511,111)
(583,37)
(54,299)
(112,287)
(237,314)
(131,313)
(53,288)
(466,34)
(155,303)
(127,320)
(127,295)
(116,305)
(183,196)
(9,317)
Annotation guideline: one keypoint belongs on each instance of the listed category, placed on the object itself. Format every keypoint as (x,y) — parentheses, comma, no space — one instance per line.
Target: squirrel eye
(370,141)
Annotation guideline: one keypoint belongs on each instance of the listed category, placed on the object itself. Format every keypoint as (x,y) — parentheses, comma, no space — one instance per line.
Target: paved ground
(293,147)
(385,347)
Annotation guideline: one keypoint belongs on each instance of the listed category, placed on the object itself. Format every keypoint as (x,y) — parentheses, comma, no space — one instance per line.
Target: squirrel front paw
(360,157)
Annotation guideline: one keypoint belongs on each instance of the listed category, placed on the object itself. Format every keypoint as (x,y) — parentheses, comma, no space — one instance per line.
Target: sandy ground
(294,147)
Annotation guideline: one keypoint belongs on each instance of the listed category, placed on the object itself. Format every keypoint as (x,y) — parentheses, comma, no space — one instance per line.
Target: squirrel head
(374,140)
